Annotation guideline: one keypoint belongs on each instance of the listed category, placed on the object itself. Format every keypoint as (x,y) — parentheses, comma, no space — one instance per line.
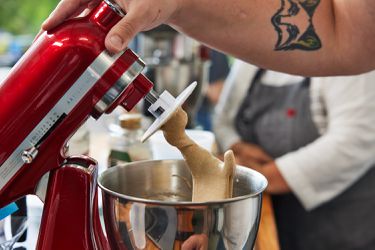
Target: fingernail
(116,42)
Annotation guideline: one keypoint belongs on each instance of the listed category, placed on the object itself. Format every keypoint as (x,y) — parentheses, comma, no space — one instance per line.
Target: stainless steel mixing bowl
(147,205)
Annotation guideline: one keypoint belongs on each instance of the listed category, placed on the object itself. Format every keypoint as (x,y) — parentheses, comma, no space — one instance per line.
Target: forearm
(244,29)
(310,37)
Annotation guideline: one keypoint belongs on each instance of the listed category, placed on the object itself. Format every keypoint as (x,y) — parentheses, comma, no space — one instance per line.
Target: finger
(251,151)
(124,31)
(240,161)
(81,11)
(190,244)
(92,4)
(195,242)
(237,147)
(254,165)
(38,35)
(243,162)
(64,10)
(250,163)
(257,154)
(85,9)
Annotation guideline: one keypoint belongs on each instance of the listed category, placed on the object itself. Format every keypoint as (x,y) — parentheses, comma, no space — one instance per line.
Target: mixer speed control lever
(29,155)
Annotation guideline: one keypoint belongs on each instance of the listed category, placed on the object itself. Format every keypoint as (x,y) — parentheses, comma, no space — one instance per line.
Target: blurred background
(19,22)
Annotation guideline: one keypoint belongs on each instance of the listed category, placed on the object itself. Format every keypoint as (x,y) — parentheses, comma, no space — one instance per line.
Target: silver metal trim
(41,188)
(86,169)
(120,86)
(63,107)
(115,7)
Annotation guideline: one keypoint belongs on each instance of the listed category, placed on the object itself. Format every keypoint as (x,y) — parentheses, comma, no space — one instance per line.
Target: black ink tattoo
(289,37)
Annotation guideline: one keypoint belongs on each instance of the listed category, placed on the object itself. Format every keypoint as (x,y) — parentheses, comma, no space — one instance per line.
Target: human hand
(250,154)
(276,181)
(141,15)
(196,242)
(254,157)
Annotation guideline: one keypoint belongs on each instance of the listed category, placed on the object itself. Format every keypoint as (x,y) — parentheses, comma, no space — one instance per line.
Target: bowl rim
(179,203)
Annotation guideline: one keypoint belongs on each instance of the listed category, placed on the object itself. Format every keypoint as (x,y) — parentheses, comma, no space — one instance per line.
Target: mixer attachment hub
(163,107)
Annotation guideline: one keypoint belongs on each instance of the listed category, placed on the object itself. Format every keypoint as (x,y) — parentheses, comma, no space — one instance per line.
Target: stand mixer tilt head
(64,78)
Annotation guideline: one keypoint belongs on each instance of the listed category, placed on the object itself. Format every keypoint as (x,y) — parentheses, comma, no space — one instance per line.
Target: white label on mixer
(66,104)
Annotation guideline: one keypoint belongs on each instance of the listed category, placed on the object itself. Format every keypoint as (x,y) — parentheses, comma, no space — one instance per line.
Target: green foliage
(24,16)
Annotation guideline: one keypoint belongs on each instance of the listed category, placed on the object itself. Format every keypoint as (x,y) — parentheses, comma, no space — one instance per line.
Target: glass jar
(125,141)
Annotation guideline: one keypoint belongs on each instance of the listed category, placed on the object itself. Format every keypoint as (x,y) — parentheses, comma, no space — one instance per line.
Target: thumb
(123,32)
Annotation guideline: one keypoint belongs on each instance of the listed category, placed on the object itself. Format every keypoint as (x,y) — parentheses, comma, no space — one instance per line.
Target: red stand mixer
(64,78)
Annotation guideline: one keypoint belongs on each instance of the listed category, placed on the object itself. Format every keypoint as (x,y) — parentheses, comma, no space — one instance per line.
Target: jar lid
(130,121)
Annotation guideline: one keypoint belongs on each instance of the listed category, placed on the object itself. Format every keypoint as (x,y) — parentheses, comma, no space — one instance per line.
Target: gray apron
(278,119)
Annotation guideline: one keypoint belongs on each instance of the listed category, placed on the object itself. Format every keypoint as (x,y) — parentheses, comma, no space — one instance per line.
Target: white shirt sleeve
(326,167)
(234,91)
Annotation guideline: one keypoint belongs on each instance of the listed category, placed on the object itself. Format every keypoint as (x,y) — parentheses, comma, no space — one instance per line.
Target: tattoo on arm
(289,36)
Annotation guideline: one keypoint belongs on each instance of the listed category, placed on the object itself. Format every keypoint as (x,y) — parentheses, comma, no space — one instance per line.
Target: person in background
(314,140)
(218,71)
(306,37)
